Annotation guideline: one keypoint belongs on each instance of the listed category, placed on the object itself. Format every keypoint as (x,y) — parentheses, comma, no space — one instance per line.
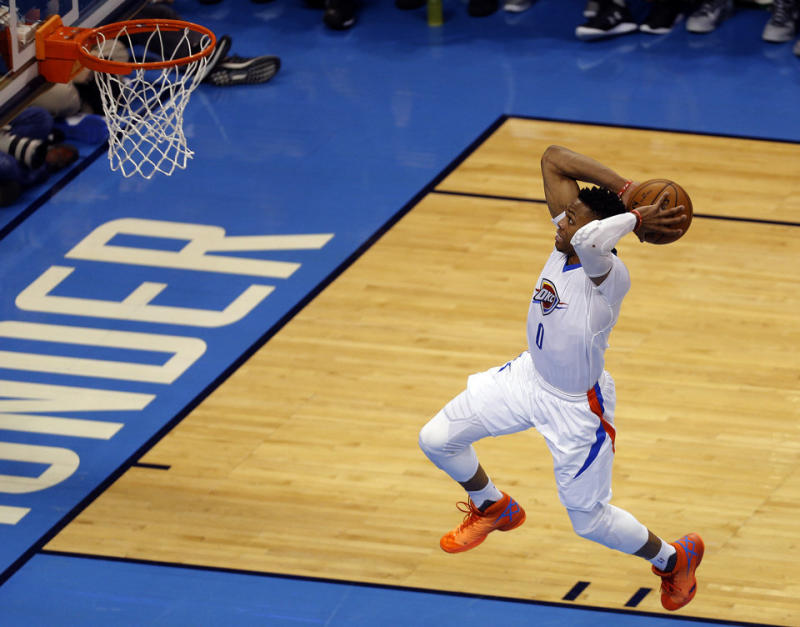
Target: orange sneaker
(504,515)
(679,586)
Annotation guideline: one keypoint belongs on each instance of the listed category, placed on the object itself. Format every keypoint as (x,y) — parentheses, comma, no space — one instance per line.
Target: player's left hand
(659,218)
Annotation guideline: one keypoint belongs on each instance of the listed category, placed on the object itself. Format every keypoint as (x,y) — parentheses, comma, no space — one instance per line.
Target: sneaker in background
(220,52)
(782,26)
(612,20)
(709,15)
(244,71)
(663,17)
(340,14)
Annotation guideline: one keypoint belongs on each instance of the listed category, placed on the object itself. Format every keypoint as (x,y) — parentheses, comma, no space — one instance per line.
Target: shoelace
(783,13)
(470,513)
(710,7)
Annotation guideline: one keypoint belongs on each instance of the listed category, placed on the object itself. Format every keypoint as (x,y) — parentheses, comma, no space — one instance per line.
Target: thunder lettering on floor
(43,346)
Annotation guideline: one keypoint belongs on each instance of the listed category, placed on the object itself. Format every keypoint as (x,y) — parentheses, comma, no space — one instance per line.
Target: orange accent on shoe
(504,515)
(679,586)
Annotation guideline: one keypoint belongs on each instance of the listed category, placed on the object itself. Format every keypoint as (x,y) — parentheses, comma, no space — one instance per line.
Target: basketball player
(559,385)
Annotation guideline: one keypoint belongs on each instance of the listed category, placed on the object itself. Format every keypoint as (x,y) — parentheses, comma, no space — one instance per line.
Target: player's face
(576,215)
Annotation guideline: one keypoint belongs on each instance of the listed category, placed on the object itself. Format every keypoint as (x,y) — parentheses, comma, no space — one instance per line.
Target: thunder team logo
(547,296)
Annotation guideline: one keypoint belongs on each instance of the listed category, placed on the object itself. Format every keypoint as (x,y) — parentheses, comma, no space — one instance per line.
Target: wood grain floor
(305,460)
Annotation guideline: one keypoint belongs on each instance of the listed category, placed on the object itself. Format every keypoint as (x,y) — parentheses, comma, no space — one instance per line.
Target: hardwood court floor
(305,461)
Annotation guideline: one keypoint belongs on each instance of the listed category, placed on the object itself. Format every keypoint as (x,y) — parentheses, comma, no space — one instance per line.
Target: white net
(144,109)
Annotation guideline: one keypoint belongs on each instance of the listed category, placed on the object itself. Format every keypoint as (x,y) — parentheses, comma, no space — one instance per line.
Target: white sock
(488,493)
(660,561)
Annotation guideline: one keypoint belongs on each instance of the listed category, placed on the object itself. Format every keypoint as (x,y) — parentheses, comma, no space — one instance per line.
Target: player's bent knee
(609,526)
(433,439)
(587,523)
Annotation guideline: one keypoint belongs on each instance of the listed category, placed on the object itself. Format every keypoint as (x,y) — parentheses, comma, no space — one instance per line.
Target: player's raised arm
(562,168)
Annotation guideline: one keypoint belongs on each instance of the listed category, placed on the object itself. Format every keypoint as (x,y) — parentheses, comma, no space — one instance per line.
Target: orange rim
(87,40)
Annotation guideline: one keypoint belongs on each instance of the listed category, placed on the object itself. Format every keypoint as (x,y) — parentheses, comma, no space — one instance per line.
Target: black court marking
(381,586)
(638,596)
(656,129)
(540,201)
(488,196)
(576,591)
(153,466)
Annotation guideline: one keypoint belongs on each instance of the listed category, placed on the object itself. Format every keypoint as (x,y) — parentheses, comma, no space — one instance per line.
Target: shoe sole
(590,34)
(778,36)
(249,72)
(467,547)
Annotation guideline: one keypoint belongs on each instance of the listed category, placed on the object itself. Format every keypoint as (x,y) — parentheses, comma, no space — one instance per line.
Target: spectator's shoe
(408,5)
(504,515)
(679,586)
(796,48)
(482,8)
(782,26)
(663,17)
(591,9)
(244,71)
(612,20)
(220,52)
(340,14)
(516,6)
(709,15)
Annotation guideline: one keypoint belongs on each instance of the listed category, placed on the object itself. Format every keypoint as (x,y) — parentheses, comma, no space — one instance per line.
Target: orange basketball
(647,193)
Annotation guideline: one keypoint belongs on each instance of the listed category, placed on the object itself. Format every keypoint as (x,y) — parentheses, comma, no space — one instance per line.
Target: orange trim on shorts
(596,404)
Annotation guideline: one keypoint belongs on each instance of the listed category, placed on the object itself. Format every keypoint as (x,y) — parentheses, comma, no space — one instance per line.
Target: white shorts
(579,430)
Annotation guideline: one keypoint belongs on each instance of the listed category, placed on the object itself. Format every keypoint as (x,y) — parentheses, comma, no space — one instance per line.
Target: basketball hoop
(146,71)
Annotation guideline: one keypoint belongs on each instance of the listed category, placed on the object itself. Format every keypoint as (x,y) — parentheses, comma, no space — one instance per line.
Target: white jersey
(569,321)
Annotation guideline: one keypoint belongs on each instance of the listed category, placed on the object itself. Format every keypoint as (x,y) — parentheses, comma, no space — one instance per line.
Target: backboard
(19,19)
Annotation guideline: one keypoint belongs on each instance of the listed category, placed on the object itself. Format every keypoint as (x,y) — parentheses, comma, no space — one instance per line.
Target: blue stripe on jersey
(567,267)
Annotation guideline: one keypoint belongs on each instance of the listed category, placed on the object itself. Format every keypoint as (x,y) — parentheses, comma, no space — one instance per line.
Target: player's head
(602,202)
(593,203)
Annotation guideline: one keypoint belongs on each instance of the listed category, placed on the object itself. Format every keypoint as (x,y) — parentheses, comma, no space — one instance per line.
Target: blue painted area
(21,469)
(60,590)
(352,128)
